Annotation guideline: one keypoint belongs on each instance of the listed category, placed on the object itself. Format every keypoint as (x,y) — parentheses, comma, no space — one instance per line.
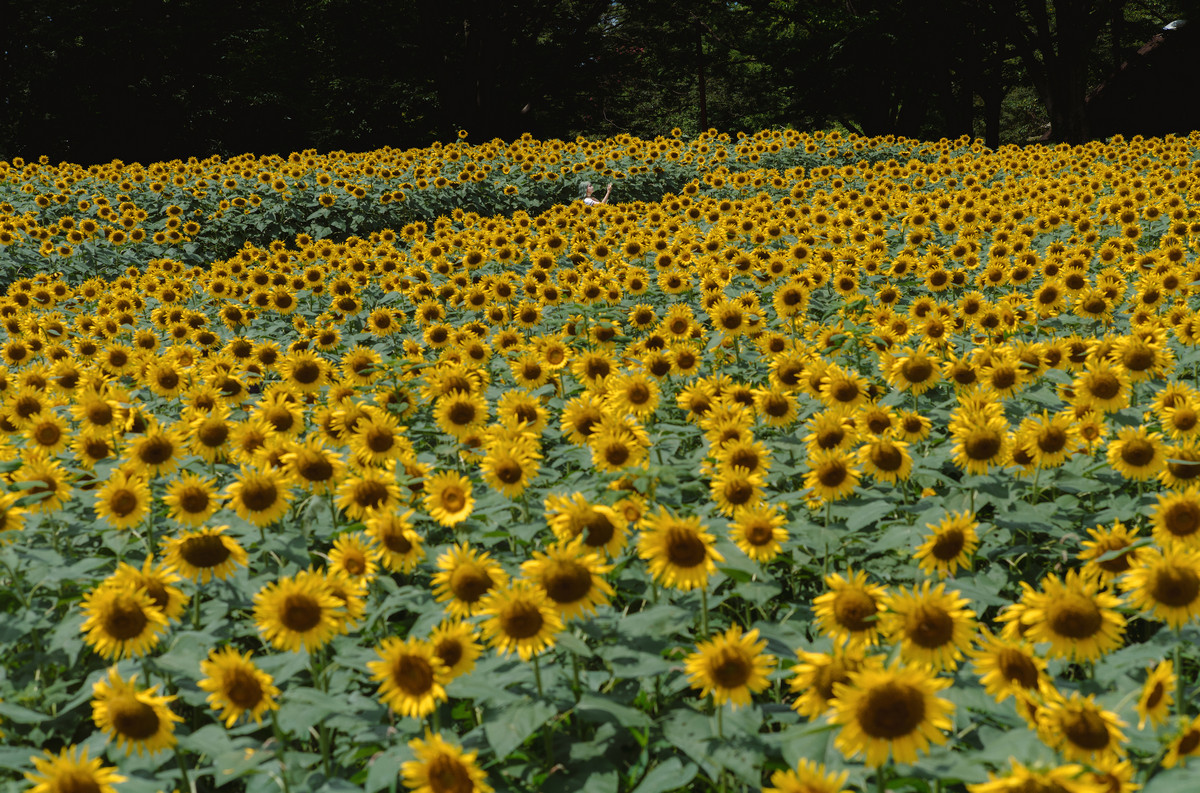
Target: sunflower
(465,576)
(1080,622)
(157,580)
(602,527)
(950,546)
(1111,551)
(730,666)
(1184,745)
(848,612)
(355,555)
(441,767)
(48,432)
(808,777)
(832,475)
(571,577)
(12,517)
(581,417)
(303,371)
(400,547)
(1008,667)
(915,371)
(204,554)
(814,675)
(260,496)
(121,621)
(459,414)
(157,450)
(43,483)
(1102,386)
(314,466)
(1158,694)
(1166,583)
(90,447)
(893,710)
(775,407)
(1069,778)
(367,491)
(842,389)
(980,442)
(191,499)
(679,551)
(236,686)
(411,676)
(1079,729)
(519,618)
(509,468)
(932,626)
(758,531)
(298,612)
(618,443)
(378,438)
(448,498)
(886,459)
(72,771)
(1176,518)
(456,643)
(124,500)
(1048,440)
(1137,453)
(209,434)
(138,720)
(735,488)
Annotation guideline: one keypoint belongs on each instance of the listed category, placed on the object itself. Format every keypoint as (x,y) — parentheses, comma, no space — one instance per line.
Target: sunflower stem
(279,751)
(881,779)
(1180,704)
(537,676)
(704,613)
(183,772)
(547,738)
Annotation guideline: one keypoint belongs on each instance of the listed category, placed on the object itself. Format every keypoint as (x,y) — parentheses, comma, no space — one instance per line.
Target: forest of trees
(162,79)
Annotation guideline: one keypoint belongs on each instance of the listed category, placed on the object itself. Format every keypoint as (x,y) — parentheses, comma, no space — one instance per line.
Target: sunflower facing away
(236,686)
(730,666)
(894,710)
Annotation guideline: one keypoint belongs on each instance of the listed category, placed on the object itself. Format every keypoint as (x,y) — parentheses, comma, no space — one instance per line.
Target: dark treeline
(160,79)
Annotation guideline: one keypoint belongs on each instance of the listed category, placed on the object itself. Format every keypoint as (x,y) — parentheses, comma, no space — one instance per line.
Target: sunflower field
(810,463)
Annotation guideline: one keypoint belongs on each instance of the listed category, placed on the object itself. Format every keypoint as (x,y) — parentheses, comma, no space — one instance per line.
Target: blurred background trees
(160,79)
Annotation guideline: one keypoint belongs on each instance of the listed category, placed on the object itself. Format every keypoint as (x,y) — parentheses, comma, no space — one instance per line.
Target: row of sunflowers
(867,474)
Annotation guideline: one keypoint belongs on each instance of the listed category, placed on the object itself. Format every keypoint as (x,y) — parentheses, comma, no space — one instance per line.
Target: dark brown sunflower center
(133,719)
(413,675)
(846,391)
(370,494)
(616,453)
(461,413)
(1156,695)
(47,434)
(567,581)
(917,371)
(1189,742)
(1086,729)
(1051,440)
(598,530)
(1138,453)
(891,710)
(469,583)
(738,492)
(306,372)
(396,542)
(194,500)
(213,433)
(832,473)
(982,444)
(1105,386)
(685,548)
(1182,519)
(1017,668)
(731,670)
(521,620)
(831,438)
(259,494)
(509,472)
(124,619)
(450,650)
(314,467)
(948,544)
(1118,564)
(1138,359)
(1075,617)
(207,550)
(156,451)
(123,502)
(929,626)
(887,457)
(242,688)
(452,499)
(300,613)
(855,610)
(1175,586)
(380,439)
(827,676)
(448,775)
(759,534)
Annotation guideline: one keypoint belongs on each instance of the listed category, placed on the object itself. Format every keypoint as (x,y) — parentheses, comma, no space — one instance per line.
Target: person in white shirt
(590,199)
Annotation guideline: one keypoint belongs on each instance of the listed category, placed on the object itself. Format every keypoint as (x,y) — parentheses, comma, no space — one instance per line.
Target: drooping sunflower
(1069,778)
(457,643)
(1111,551)
(848,613)
(448,498)
(571,576)
(1158,694)
(1079,729)
(932,626)
(158,580)
(139,720)
(814,675)
(401,548)
(236,686)
(1166,583)
(953,541)
(441,767)
(191,499)
(890,711)
(124,500)
(758,531)
(808,777)
(519,618)
(731,666)
(1080,621)
(72,771)
(411,676)
(121,621)
(1008,667)
(204,554)
(464,576)
(298,612)
(679,551)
